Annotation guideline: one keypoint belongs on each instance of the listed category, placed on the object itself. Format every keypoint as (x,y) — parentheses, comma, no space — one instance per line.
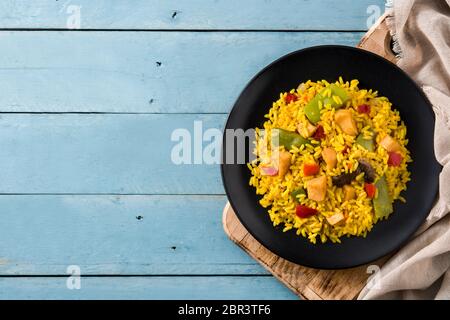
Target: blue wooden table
(90,93)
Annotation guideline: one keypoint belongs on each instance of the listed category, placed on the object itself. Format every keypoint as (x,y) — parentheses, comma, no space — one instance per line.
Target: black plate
(372,71)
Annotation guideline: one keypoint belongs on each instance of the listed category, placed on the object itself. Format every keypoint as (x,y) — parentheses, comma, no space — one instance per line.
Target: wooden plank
(102,153)
(139,72)
(308,283)
(118,235)
(378,40)
(191,14)
(229,288)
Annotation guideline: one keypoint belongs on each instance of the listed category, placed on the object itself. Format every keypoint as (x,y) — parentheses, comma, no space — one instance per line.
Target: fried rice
(336,213)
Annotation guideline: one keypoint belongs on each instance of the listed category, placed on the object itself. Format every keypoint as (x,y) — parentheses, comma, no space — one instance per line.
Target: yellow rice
(276,190)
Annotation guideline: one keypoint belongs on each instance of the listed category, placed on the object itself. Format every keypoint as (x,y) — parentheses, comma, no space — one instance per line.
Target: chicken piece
(329,156)
(283,161)
(390,144)
(345,121)
(306,131)
(317,188)
(335,218)
(349,193)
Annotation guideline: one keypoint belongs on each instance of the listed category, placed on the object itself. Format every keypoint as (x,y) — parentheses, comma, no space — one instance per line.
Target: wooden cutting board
(308,283)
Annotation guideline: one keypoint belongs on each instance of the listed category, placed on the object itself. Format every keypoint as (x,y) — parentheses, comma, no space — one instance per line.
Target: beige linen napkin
(421,269)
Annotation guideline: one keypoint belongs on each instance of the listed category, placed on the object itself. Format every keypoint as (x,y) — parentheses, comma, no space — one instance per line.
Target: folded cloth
(421,269)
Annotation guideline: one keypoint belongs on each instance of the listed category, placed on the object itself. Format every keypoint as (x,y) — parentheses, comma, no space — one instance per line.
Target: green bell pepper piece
(382,203)
(288,139)
(367,144)
(341,93)
(297,192)
(312,109)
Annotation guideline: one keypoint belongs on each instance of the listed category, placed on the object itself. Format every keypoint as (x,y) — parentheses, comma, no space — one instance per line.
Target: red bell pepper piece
(304,211)
(310,169)
(319,134)
(364,108)
(395,159)
(290,97)
(370,190)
